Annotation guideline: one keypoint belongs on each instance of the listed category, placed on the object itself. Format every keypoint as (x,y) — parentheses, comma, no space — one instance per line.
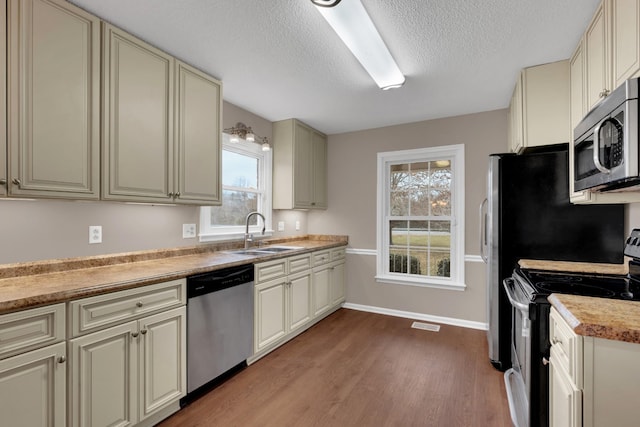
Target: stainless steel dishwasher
(219,324)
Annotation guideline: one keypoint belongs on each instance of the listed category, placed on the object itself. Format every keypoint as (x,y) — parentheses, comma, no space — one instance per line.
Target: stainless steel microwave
(606,143)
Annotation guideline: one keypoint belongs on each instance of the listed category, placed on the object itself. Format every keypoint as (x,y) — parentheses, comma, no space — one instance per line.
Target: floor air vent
(425,326)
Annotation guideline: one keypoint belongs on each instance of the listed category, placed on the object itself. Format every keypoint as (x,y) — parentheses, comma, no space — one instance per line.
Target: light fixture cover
(350,21)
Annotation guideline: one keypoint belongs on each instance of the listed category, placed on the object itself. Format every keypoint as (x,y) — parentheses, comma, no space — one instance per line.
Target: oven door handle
(508,285)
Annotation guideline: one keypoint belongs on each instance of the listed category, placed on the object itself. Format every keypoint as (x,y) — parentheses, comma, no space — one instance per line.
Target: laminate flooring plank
(361,369)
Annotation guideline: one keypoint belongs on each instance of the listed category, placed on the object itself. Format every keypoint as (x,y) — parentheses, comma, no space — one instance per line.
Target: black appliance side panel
(539,222)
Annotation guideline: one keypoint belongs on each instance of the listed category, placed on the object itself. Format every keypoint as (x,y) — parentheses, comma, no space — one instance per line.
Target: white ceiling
(280,59)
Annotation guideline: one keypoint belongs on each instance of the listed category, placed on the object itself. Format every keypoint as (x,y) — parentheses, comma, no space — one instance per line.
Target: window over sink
(246,187)
(420,227)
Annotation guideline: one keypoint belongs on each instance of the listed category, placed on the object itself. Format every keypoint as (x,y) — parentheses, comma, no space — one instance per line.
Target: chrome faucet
(249,237)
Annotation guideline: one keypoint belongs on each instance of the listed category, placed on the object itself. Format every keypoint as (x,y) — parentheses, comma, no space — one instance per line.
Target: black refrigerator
(528,215)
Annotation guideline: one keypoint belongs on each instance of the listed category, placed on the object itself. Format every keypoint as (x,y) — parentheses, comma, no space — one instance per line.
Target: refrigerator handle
(483,230)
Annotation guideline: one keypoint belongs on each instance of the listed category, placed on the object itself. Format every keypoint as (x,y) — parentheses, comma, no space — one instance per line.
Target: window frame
(454,153)
(209,233)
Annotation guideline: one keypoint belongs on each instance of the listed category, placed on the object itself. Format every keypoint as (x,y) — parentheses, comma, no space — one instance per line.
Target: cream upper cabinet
(53,99)
(300,166)
(138,119)
(625,29)
(3,101)
(597,56)
(539,111)
(157,147)
(198,133)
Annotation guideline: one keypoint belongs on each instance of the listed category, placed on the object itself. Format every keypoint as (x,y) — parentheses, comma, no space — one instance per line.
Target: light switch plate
(297,225)
(95,234)
(188,231)
(280,225)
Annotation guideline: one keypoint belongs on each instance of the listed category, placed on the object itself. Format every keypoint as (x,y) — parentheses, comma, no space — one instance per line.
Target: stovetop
(541,284)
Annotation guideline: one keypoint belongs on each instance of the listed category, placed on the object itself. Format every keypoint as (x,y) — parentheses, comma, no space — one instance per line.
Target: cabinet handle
(139,304)
(3,181)
(143,332)
(604,93)
(177,194)
(134,334)
(16,181)
(313,203)
(170,195)
(545,361)
(556,340)
(62,359)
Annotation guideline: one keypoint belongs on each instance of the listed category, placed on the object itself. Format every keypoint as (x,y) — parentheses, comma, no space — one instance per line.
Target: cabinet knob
(62,359)
(3,181)
(177,194)
(134,334)
(143,332)
(313,203)
(139,304)
(604,93)
(170,195)
(545,361)
(556,340)
(16,181)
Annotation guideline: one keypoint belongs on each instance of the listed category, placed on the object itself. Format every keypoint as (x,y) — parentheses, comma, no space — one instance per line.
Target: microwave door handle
(483,230)
(596,147)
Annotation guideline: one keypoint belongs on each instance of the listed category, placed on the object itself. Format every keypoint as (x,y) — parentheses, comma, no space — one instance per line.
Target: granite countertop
(600,317)
(26,285)
(575,267)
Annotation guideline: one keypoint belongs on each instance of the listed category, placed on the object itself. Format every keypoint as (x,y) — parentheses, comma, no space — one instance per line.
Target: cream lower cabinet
(134,372)
(291,295)
(282,299)
(33,368)
(591,379)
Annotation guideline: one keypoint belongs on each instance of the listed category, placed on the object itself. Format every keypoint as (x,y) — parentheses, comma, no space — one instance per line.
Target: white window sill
(422,282)
(218,237)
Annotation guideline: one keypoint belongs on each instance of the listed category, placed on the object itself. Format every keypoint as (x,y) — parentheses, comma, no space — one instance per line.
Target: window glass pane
(400,178)
(419,233)
(399,233)
(440,248)
(239,170)
(398,260)
(418,262)
(399,203)
(440,187)
(235,207)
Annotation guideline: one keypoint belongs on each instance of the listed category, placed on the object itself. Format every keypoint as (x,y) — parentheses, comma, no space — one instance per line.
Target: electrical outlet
(188,231)
(95,234)
(297,225)
(280,225)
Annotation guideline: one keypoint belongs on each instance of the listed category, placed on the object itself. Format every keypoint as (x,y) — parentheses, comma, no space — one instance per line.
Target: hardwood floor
(361,369)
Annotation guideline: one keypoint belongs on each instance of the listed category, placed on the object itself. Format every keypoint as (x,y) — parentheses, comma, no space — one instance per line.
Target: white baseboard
(418,316)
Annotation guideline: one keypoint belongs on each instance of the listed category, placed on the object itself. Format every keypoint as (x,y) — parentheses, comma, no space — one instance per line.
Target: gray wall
(45,229)
(352,208)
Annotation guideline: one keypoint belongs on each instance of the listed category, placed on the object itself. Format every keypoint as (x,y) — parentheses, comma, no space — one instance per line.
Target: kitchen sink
(265,250)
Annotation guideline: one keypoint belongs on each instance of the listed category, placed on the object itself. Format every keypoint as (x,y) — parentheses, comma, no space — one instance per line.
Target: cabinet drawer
(566,347)
(97,312)
(338,253)
(270,270)
(299,263)
(321,257)
(30,329)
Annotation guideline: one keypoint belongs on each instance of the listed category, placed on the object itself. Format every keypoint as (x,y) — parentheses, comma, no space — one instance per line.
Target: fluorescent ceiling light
(350,21)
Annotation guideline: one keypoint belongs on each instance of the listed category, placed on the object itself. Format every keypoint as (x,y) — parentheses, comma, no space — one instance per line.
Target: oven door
(518,379)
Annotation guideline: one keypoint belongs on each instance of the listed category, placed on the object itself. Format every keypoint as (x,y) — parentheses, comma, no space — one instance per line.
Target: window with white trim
(420,235)
(246,187)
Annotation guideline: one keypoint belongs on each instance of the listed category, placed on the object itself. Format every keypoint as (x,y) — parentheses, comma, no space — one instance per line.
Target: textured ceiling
(280,59)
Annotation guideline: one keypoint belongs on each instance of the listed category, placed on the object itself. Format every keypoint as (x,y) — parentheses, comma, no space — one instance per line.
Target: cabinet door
(198,135)
(337,291)
(299,287)
(104,377)
(515,118)
(597,57)
(303,166)
(565,408)
(625,25)
(319,170)
(162,360)
(270,316)
(321,290)
(3,101)
(54,120)
(577,97)
(138,119)
(32,388)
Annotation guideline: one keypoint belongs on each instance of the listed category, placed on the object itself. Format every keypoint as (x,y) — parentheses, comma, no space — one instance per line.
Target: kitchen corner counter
(611,319)
(27,285)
